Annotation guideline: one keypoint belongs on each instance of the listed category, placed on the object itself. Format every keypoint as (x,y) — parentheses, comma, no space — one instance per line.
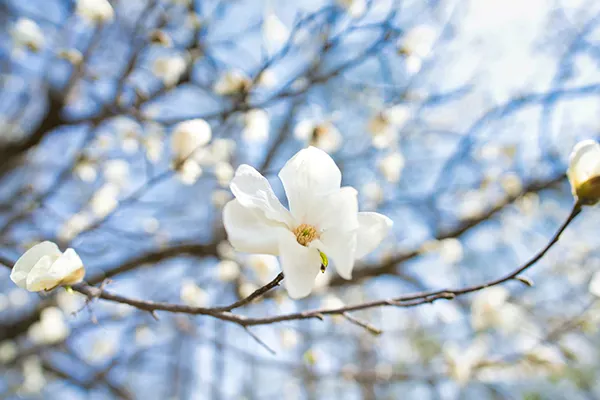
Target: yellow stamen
(305,234)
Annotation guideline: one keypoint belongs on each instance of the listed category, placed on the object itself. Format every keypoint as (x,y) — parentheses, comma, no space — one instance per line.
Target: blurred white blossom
(355,8)
(491,310)
(105,200)
(462,362)
(74,225)
(169,69)
(289,338)
(8,351)
(189,136)
(33,376)
(275,32)
(418,41)
(51,328)
(391,166)
(265,266)
(232,83)
(27,34)
(220,197)
(246,289)
(193,295)
(95,11)
(116,172)
(224,173)
(86,170)
(256,125)
(189,172)
(228,270)
(373,193)
(321,134)
(385,124)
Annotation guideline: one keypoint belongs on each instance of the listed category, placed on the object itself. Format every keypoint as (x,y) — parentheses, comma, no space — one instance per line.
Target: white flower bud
(44,266)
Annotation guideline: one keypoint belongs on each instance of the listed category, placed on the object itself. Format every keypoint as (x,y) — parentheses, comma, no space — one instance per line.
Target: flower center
(305,234)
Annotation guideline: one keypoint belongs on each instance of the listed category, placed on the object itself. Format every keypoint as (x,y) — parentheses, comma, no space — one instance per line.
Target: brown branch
(403,301)
(389,265)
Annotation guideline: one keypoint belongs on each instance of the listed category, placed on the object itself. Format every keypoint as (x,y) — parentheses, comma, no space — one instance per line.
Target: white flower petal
(25,264)
(373,229)
(254,191)
(300,265)
(250,231)
(69,267)
(336,211)
(340,247)
(584,163)
(311,172)
(40,277)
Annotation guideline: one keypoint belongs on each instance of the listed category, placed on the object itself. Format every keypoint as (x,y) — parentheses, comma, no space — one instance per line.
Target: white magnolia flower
(594,286)
(224,173)
(289,338)
(462,363)
(321,134)
(188,136)
(73,226)
(169,69)
(584,171)
(116,172)
(8,351)
(491,310)
(391,167)
(44,267)
(228,270)
(355,8)
(323,220)
(189,172)
(275,33)
(220,197)
(129,132)
(384,125)
(105,200)
(264,265)
(51,328)
(26,33)
(220,150)
(95,11)
(267,78)
(373,194)
(418,41)
(192,294)
(33,376)
(85,170)
(246,289)
(232,83)
(256,125)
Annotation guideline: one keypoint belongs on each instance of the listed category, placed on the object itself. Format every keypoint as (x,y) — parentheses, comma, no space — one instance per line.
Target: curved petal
(340,247)
(68,267)
(300,265)
(584,162)
(41,277)
(253,190)
(28,260)
(336,211)
(311,172)
(248,230)
(374,227)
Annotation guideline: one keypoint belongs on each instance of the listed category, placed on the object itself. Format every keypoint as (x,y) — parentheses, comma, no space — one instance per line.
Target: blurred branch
(404,301)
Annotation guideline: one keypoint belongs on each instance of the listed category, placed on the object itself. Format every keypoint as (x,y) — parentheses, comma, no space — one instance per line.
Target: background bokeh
(453,117)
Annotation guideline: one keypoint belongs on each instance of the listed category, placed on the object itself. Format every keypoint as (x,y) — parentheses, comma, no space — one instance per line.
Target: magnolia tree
(299,200)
